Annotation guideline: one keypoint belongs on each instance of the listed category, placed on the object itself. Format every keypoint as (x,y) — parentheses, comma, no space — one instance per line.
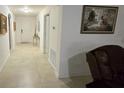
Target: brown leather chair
(107,66)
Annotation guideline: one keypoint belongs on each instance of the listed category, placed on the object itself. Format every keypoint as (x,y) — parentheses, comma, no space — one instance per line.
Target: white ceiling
(35,9)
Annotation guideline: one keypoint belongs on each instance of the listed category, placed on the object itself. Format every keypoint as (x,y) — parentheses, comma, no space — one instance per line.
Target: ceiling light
(26,9)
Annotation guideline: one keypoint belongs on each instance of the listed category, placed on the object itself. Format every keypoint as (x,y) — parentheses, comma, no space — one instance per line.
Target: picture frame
(98,19)
(3,24)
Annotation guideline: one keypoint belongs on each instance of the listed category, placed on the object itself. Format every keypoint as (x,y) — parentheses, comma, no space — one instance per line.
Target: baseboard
(63,76)
(4,62)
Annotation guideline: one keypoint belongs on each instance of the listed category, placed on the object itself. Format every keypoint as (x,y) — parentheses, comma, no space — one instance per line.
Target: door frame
(44,39)
(10,35)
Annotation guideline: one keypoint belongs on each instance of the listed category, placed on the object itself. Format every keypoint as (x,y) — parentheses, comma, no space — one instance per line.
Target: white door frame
(10,34)
(46,35)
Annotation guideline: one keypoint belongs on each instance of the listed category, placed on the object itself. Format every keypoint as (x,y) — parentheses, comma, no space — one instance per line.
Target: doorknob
(21,30)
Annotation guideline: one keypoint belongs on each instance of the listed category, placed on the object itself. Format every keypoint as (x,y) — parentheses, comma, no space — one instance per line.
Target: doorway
(46,33)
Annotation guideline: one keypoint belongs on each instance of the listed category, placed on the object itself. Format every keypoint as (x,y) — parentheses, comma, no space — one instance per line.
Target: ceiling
(18,9)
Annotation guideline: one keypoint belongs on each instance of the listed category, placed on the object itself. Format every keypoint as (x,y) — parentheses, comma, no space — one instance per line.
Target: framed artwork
(98,19)
(3,24)
(14,24)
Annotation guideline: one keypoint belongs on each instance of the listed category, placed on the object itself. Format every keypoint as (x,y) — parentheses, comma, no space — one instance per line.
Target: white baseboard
(63,76)
(4,62)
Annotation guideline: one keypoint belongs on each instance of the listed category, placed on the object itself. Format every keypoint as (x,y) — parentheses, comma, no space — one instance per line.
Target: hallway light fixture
(26,9)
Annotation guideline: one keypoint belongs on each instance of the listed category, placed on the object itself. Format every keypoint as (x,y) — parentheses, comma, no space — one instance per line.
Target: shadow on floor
(77,82)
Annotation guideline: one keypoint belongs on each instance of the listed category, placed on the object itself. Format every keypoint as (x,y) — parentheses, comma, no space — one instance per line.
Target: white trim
(52,64)
(55,70)
(4,62)
(64,76)
(45,35)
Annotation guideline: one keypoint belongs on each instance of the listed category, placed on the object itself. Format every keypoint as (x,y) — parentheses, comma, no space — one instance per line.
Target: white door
(25,29)
(27,32)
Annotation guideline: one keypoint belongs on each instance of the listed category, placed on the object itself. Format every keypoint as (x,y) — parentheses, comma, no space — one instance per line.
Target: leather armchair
(107,66)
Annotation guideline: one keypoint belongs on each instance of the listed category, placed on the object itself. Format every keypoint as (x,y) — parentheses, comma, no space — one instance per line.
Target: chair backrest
(106,62)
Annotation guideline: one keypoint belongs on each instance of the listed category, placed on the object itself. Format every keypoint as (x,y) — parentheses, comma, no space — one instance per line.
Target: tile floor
(28,68)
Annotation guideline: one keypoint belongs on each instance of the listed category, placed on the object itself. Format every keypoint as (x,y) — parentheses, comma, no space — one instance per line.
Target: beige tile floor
(28,68)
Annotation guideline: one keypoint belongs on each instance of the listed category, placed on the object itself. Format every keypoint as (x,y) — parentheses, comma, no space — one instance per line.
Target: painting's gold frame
(3,24)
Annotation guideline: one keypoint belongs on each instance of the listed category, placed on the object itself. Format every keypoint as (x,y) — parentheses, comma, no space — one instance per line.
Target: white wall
(40,18)
(54,34)
(27,23)
(4,39)
(75,45)
(12,32)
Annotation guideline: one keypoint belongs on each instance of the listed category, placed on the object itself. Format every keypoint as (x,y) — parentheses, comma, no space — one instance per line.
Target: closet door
(25,29)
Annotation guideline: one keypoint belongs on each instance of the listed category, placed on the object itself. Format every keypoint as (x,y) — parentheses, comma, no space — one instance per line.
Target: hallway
(27,67)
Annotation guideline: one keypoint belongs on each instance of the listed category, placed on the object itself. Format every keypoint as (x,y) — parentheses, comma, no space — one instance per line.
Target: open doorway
(46,33)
